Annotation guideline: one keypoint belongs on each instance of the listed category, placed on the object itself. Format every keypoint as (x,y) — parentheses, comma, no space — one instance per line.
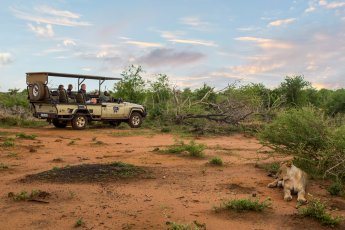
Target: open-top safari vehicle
(61,109)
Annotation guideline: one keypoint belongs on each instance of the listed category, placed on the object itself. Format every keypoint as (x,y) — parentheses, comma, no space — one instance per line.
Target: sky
(217,42)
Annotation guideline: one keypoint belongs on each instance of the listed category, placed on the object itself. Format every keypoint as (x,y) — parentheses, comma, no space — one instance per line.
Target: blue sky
(196,41)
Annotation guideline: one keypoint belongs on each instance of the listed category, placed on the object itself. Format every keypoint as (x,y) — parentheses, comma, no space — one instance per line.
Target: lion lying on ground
(292,179)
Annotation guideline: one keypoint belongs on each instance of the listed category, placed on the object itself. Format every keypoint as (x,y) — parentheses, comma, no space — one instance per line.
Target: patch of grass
(98,143)
(216,161)
(165,130)
(94,138)
(15,121)
(8,143)
(26,136)
(240,205)
(335,189)
(178,226)
(24,195)
(3,166)
(79,222)
(136,132)
(317,210)
(72,142)
(12,154)
(193,149)
(272,168)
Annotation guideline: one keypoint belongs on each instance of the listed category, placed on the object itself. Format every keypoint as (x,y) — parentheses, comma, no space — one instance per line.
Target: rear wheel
(79,121)
(135,120)
(59,124)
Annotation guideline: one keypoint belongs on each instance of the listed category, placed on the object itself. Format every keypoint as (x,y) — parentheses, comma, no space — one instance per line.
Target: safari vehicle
(60,109)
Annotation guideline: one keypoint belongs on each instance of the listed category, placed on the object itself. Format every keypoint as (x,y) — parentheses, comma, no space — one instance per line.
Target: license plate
(44,115)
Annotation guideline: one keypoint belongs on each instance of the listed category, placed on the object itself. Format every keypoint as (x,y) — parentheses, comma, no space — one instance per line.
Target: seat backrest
(79,97)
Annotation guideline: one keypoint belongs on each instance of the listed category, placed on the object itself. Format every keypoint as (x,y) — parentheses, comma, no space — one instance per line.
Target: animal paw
(288,198)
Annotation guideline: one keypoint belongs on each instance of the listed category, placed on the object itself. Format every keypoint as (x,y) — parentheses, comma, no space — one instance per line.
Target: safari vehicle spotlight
(61,109)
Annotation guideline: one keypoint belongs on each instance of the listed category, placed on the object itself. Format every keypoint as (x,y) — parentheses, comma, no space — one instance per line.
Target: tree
(132,86)
(292,90)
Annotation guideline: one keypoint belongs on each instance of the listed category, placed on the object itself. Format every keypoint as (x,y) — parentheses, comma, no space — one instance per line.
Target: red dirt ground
(181,190)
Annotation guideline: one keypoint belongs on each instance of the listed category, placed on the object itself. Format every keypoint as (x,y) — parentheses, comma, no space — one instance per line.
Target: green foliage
(26,136)
(24,195)
(335,188)
(193,149)
(216,161)
(272,168)
(3,166)
(317,210)
(14,98)
(132,86)
(79,222)
(292,89)
(241,205)
(296,130)
(8,143)
(178,226)
(16,121)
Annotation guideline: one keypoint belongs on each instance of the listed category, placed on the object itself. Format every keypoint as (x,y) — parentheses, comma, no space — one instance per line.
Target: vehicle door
(113,110)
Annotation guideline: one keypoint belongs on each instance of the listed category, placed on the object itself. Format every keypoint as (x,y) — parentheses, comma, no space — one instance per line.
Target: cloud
(310,9)
(69,42)
(143,44)
(195,23)
(60,13)
(246,29)
(86,69)
(50,16)
(194,42)
(282,22)
(266,43)
(6,58)
(334,5)
(42,31)
(170,57)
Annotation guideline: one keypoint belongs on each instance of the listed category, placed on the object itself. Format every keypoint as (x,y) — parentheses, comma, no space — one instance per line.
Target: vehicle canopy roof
(32,77)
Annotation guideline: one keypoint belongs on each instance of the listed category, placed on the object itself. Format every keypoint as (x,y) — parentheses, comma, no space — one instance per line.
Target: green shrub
(309,136)
(177,226)
(241,205)
(79,222)
(272,168)
(26,136)
(335,189)
(216,161)
(3,166)
(317,210)
(193,149)
(8,143)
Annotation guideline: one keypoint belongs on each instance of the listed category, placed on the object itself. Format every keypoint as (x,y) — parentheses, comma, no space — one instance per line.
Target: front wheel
(79,121)
(135,120)
(59,124)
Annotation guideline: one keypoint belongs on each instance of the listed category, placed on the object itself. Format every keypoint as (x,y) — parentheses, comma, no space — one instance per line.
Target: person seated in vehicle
(105,97)
(69,90)
(62,94)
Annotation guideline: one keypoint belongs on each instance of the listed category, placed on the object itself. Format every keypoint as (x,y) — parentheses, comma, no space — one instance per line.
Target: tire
(135,120)
(79,121)
(36,91)
(59,124)
(114,123)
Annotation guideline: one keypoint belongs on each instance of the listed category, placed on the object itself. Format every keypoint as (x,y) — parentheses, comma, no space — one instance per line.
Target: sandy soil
(181,189)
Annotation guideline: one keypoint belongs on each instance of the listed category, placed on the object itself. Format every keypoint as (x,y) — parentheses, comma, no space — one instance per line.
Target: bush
(308,134)
(241,205)
(193,149)
(26,136)
(335,189)
(8,143)
(216,161)
(317,210)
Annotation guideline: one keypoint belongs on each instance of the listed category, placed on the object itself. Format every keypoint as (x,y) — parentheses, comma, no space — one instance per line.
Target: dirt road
(179,189)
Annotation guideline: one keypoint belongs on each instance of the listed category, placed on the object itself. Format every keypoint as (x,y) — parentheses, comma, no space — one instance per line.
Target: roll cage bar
(43,77)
